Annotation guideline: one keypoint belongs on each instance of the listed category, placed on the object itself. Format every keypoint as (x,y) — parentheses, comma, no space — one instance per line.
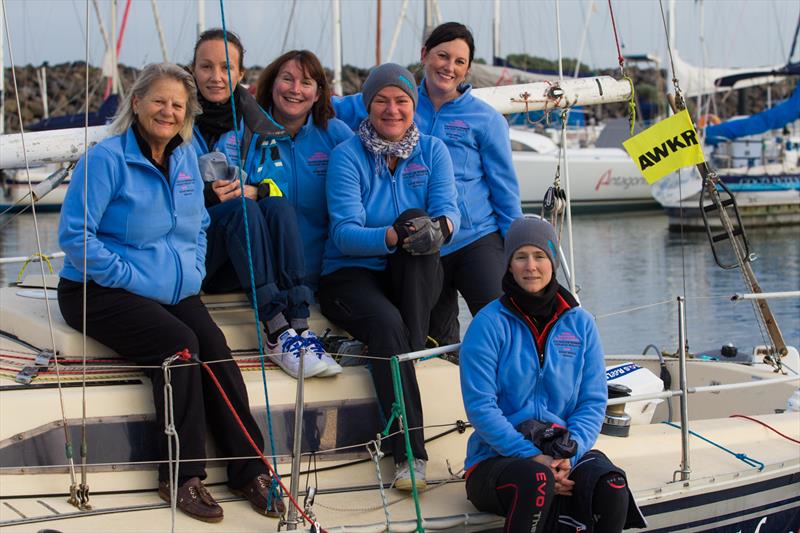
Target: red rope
(766,426)
(616,37)
(254,446)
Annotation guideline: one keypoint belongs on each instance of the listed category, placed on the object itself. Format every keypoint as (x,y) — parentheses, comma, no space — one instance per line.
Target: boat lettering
(670,146)
(626,182)
(619,371)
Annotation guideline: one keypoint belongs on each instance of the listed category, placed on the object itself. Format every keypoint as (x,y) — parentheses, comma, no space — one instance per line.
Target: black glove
(427,237)
(552,439)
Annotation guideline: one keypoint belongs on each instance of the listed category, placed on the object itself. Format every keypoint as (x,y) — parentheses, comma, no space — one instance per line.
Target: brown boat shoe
(194,500)
(257,493)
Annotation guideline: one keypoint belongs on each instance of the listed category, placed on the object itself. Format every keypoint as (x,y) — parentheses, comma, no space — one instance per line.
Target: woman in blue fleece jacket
(532,362)
(295,92)
(144,257)
(488,192)
(391,201)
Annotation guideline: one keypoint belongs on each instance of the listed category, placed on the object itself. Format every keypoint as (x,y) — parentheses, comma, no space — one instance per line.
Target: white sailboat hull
(340,411)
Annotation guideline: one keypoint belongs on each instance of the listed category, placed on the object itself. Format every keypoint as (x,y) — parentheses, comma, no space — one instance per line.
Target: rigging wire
(247,240)
(84,449)
(67,439)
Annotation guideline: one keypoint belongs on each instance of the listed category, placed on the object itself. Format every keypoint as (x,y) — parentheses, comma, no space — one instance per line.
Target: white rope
(374,449)
(172,436)
(565,117)
(68,442)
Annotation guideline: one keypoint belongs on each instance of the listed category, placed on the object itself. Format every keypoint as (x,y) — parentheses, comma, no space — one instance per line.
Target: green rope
(749,461)
(631,105)
(400,405)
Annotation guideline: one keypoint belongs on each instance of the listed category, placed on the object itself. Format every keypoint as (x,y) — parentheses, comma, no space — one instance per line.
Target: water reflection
(622,262)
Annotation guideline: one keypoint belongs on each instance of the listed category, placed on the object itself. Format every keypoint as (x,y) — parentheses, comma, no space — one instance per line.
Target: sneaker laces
(293,345)
(314,344)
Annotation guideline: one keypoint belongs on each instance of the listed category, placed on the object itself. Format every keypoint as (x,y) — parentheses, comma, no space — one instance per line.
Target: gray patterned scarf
(379,146)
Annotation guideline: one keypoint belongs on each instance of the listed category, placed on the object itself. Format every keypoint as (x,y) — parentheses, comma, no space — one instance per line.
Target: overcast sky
(737,32)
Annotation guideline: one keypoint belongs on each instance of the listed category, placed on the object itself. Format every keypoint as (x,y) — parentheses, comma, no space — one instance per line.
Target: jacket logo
(415,174)
(567,343)
(318,162)
(185,184)
(456,129)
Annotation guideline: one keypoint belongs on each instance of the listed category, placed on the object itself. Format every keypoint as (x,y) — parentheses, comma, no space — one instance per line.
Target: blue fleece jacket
(364,199)
(477,138)
(144,234)
(305,164)
(503,385)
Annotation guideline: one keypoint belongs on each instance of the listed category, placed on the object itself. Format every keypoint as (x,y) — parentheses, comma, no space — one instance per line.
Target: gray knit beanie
(385,75)
(535,231)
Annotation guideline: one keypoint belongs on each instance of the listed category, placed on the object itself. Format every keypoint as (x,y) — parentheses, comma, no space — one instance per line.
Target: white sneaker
(287,351)
(314,345)
(402,475)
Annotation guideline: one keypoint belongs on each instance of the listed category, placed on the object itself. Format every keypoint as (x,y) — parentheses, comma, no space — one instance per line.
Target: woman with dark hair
(145,243)
(488,193)
(295,92)
(276,248)
(534,386)
(391,199)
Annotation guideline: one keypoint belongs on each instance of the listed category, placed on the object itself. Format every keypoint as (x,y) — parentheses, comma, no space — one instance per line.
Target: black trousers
(389,312)
(522,490)
(146,332)
(476,271)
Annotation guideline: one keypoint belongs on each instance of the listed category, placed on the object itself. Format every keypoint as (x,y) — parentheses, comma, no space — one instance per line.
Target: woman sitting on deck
(293,89)
(392,206)
(488,193)
(534,388)
(276,247)
(145,246)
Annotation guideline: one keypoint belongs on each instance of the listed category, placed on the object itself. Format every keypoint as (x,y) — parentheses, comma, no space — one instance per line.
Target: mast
(160,30)
(336,9)
(201,17)
(2,76)
(378,34)
(428,19)
(496,32)
(397,27)
(114,58)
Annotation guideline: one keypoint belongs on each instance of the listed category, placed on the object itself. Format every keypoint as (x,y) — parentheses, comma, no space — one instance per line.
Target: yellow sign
(665,147)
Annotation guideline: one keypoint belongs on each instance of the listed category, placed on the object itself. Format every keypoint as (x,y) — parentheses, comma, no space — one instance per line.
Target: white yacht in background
(599,178)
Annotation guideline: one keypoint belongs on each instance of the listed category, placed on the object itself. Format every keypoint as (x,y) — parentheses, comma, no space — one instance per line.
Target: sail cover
(784,113)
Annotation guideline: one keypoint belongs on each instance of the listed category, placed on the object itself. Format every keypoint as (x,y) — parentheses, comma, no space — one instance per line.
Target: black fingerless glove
(427,237)
(551,439)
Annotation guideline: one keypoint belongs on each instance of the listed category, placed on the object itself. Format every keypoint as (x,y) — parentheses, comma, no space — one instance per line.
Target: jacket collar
(133,154)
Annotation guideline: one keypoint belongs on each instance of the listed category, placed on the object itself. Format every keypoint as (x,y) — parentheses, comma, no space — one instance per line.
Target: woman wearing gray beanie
(392,205)
(488,192)
(534,387)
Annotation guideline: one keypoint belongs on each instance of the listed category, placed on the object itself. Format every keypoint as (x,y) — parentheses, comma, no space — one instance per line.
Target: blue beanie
(535,231)
(385,75)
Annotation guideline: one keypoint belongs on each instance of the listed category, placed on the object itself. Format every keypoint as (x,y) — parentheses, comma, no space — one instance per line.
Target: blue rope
(249,253)
(749,461)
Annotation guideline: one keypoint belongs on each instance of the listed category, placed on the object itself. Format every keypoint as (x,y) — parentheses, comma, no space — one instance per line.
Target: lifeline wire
(67,441)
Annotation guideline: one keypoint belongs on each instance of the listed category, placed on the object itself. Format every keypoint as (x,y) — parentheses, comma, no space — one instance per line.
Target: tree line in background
(66,89)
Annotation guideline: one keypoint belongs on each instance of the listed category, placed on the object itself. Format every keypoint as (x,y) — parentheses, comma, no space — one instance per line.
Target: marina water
(630,269)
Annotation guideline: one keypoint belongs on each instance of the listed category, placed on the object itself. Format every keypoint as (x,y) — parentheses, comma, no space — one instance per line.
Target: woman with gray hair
(141,255)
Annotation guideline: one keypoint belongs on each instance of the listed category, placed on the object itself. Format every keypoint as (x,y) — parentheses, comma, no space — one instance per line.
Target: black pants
(389,312)
(146,332)
(522,491)
(476,271)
